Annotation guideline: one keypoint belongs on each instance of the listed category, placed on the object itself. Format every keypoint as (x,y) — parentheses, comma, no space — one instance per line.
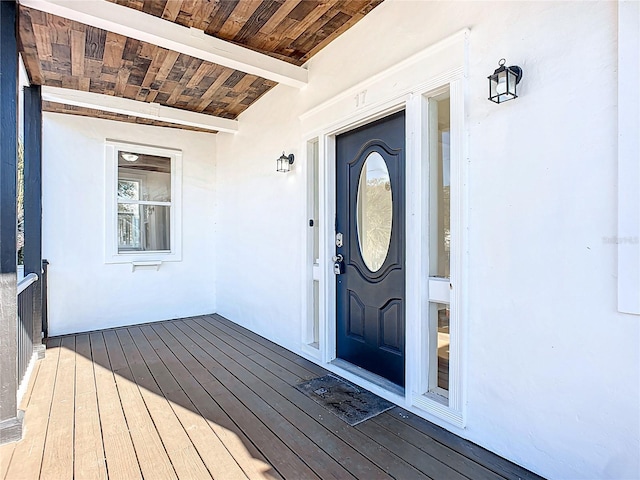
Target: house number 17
(360,98)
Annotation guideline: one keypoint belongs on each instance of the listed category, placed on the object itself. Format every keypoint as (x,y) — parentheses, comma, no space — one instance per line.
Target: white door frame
(405,86)
(329,141)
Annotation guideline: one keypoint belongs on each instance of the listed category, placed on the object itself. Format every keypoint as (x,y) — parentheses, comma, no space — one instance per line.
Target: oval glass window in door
(374,210)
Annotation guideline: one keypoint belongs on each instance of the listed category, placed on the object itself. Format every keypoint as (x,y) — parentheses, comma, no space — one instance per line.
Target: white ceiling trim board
(190,41)
(125,106)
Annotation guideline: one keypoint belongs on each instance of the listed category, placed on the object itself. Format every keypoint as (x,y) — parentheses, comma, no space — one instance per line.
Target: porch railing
(32,319)
(26,291)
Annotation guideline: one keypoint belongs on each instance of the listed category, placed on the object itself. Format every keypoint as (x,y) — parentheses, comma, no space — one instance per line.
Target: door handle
(338,264)
(338,258)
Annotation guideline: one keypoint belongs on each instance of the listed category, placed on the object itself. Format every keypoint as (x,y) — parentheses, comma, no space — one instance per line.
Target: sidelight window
(312,331)
(439,380)
(439,245)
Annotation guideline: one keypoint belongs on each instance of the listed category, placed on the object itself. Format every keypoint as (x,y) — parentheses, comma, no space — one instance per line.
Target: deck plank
(27,456)
(472,451)
(6,452)
(367,446)
(321,438)
(424,463)
(313,369)
(314,457)
(274,449)
(251,461)
(352,449)
(57,462)
(182,454)
(205,398)
(211,449)
(280,366)
(89,460)
(152,456)
(121,459)
(432,448)
(485,461)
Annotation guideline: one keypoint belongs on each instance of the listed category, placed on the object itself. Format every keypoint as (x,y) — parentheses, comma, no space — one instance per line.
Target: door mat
(349,402)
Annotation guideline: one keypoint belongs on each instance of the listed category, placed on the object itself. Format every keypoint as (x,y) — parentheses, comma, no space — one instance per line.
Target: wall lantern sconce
(284,163)
(502,84)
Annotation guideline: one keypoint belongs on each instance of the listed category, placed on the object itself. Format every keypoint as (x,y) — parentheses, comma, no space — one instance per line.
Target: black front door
(370,209)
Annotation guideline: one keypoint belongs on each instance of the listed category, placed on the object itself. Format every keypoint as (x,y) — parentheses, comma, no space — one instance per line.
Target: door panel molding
(375,290)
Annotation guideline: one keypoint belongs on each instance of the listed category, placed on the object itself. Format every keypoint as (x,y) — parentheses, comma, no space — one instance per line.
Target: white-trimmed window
(311,340)
(439,245)
(438,383)
(143,220)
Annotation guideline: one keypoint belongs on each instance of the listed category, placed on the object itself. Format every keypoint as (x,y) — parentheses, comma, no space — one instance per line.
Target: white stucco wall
(552,369)
(87,294)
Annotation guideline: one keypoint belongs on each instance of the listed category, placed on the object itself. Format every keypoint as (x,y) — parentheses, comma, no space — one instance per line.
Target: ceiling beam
(125,106)
(190,41)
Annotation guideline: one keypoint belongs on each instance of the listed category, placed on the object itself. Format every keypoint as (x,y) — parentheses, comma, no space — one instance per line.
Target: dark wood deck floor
(201,398)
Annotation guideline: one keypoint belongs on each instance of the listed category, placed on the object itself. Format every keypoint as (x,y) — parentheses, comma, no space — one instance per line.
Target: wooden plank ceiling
(63,53)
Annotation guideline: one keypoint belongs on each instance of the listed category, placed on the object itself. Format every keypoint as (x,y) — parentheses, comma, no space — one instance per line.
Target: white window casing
(427,290)
(135,257)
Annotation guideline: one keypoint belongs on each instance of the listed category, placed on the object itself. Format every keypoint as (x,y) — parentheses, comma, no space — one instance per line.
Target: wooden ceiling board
(238,18)
(55,107)
(290,30)
(62,53)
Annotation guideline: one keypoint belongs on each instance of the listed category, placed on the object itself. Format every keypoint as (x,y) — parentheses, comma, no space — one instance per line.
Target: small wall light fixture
(502,84)
(284,163)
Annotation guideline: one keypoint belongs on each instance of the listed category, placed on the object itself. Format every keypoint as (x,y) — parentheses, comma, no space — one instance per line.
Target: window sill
(438,407)
(149,265)
(141,258)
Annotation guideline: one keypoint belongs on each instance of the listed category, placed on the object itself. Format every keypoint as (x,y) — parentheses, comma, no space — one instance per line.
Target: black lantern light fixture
(502,84)
(284,163)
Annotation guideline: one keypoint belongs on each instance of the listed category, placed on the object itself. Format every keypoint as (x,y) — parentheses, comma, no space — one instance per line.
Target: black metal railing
(26,292)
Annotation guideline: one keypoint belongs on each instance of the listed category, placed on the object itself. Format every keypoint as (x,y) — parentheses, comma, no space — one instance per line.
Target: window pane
(128,227)
(439,341)
(439,183)
(129,189)
(155,227)
(152,173)
(374,211)
(316,313)
(316,201)
(443,345)
(143,227)
(143,178)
